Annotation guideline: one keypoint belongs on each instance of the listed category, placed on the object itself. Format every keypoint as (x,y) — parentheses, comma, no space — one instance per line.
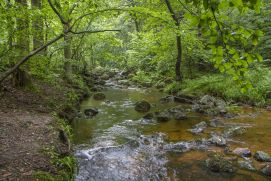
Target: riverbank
(35,141)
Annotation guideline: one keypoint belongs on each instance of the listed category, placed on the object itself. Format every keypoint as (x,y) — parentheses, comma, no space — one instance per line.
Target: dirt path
(25,130)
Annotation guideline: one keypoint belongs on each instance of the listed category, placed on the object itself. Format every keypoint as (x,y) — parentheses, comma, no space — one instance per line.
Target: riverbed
(117,144)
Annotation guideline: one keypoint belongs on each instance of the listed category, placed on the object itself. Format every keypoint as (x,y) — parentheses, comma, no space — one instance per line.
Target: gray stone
(216,123)
(162,116)
(246,165)
(198,128)
(218,140)
(262,156)
(266,170)
(243,152)
(235,131)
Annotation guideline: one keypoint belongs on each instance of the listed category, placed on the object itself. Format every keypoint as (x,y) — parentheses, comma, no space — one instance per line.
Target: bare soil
(25,131)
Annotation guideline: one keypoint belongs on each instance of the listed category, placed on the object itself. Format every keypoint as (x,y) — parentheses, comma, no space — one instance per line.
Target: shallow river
(118,145)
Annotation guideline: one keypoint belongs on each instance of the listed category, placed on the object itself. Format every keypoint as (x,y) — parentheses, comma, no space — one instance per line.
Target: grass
(224,87)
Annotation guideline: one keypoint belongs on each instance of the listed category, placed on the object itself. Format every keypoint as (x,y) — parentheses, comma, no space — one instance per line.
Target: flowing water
(117,144)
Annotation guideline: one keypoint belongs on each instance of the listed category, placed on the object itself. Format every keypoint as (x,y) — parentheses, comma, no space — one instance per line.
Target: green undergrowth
(223,86)
(65,165)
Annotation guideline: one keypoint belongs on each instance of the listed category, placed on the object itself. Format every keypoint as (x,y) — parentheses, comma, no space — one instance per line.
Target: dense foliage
(156,40)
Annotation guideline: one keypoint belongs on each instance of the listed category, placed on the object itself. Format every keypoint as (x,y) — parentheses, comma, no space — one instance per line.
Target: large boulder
(142,106)
(91,112)
(178,113)
(210,105)
(217,163)
(99,96)
(262,156)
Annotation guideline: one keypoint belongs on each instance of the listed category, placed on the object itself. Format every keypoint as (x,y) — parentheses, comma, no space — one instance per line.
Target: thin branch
(73,7)
(173,15)
(63,21)
(185,7)
(91,13)
(88,31)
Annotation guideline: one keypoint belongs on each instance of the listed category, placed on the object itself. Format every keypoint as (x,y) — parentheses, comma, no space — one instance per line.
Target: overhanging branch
(89,31)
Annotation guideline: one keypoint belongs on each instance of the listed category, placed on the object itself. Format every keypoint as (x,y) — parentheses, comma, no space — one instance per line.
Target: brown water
(118,145)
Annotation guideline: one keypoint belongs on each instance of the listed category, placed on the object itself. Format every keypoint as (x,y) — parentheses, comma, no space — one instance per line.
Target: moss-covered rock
(142,106)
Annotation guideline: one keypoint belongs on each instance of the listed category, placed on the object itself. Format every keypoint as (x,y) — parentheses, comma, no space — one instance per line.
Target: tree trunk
(67,53)
(10,27)
(38,38)
(179,59)
(22,46)
(179,42)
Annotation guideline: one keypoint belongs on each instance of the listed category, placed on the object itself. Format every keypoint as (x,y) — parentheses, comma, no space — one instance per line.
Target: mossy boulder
(99,96)
(142,106)
(217,163)
(91,112)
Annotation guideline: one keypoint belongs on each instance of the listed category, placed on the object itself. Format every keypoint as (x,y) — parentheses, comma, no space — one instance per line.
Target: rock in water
(148,116)
(198,128)
(243,152)
(216,123)
(142,106)
(218,140)
(217,163)
(235,131)
(162,116)
(262,156)
(91,112)
(210,105)
(266,170)
(246,165)
(99,96)
(181,116)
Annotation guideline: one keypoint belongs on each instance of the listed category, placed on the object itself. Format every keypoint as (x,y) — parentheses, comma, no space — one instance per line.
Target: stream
(118,144)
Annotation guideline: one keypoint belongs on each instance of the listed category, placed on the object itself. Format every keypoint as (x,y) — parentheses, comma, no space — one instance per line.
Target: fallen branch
(31,54)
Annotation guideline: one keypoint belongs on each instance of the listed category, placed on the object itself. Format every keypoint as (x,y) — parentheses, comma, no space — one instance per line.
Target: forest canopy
(180,39)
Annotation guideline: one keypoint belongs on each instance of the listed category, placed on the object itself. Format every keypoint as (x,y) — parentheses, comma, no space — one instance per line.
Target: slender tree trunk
(178,71)
(67,52)
(38,38)
(10,27)
(20,76)
(179,59)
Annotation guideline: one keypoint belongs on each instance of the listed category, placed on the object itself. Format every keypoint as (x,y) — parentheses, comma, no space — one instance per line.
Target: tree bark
(178,71)
(67,51)
(38,38)
(22,45)
(179,59)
